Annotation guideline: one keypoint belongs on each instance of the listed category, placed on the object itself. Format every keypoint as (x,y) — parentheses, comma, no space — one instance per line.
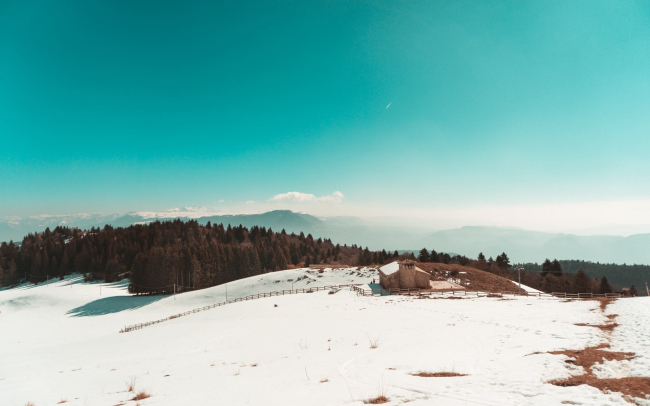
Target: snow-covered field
(61,342)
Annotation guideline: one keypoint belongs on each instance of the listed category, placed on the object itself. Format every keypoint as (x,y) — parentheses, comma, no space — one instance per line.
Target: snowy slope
(526,288)
(633,336)
(61,342)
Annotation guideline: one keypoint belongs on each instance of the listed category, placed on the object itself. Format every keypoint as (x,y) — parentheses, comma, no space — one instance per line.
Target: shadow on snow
(114,304)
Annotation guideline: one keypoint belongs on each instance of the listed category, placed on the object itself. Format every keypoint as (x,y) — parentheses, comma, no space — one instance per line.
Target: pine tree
(424,255)
(581,282)
(605,287)
(503,261)
(547,267)
(556,268)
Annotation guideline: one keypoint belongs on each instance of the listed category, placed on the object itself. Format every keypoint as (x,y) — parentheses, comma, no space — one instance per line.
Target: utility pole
(226,285)
(646,289)
(100,289)
(174,291)
(519,268)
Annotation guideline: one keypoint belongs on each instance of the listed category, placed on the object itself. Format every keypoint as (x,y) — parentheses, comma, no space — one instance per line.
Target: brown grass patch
(30,404)
(593,355)
(62,401)
(603,302)
(479,280)
(609,327)
(324,380)
(632,387)
(377,401)
(141,395)
(438,374)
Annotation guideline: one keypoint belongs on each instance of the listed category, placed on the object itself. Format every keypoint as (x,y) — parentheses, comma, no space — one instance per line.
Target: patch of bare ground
(588,357)
(438,374)
(478,280)
(609,327)
(603,303)
(630,387)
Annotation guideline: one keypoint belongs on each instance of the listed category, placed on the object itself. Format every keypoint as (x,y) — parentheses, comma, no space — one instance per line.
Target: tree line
(159,255)
(549,276)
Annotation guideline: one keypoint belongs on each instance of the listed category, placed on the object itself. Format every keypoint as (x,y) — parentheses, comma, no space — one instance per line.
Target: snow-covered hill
(61,342)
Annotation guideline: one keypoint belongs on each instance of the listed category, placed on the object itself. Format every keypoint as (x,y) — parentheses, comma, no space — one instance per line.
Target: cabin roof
(390,269)
(393,267)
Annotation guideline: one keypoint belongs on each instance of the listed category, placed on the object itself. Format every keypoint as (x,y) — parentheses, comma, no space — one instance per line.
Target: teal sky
(113,106)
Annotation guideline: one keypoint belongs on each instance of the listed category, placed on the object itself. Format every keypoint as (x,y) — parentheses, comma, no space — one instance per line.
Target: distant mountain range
(520,245)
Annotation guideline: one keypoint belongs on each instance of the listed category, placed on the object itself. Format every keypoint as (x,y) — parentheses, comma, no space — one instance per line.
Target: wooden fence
(241,299)
(461,292)
(377,292)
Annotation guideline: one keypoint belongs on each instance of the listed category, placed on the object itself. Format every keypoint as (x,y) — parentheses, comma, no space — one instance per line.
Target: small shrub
(324,380)
(130,385)
(30,404)
(141,395)
(374,343)
(62,401)
(377,401)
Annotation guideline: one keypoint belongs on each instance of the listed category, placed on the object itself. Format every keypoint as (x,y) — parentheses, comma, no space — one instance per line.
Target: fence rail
(241,299)
(461,292)
(377,292)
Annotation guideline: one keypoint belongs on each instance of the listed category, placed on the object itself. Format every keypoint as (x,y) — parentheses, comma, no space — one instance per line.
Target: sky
(524,114)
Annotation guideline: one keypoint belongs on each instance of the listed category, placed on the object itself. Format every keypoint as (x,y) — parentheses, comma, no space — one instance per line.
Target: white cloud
(335,197)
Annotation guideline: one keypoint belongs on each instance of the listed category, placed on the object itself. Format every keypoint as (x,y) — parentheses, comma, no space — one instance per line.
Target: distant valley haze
(378,233)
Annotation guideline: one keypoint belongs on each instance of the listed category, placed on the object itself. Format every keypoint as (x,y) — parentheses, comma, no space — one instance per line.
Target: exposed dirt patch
(588,357)
(609,327)
(478,280)
(603,303)
(630,387)
(438,374)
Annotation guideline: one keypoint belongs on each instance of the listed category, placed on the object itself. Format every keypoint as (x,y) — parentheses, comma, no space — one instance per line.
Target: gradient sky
(113,106)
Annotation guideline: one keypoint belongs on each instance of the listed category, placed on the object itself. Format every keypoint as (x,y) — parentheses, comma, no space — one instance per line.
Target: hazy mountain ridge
(520,245)
(535,246)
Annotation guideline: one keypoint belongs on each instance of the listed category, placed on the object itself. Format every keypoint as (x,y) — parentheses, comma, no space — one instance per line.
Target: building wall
(422,280)
(390,281)
(406,278)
